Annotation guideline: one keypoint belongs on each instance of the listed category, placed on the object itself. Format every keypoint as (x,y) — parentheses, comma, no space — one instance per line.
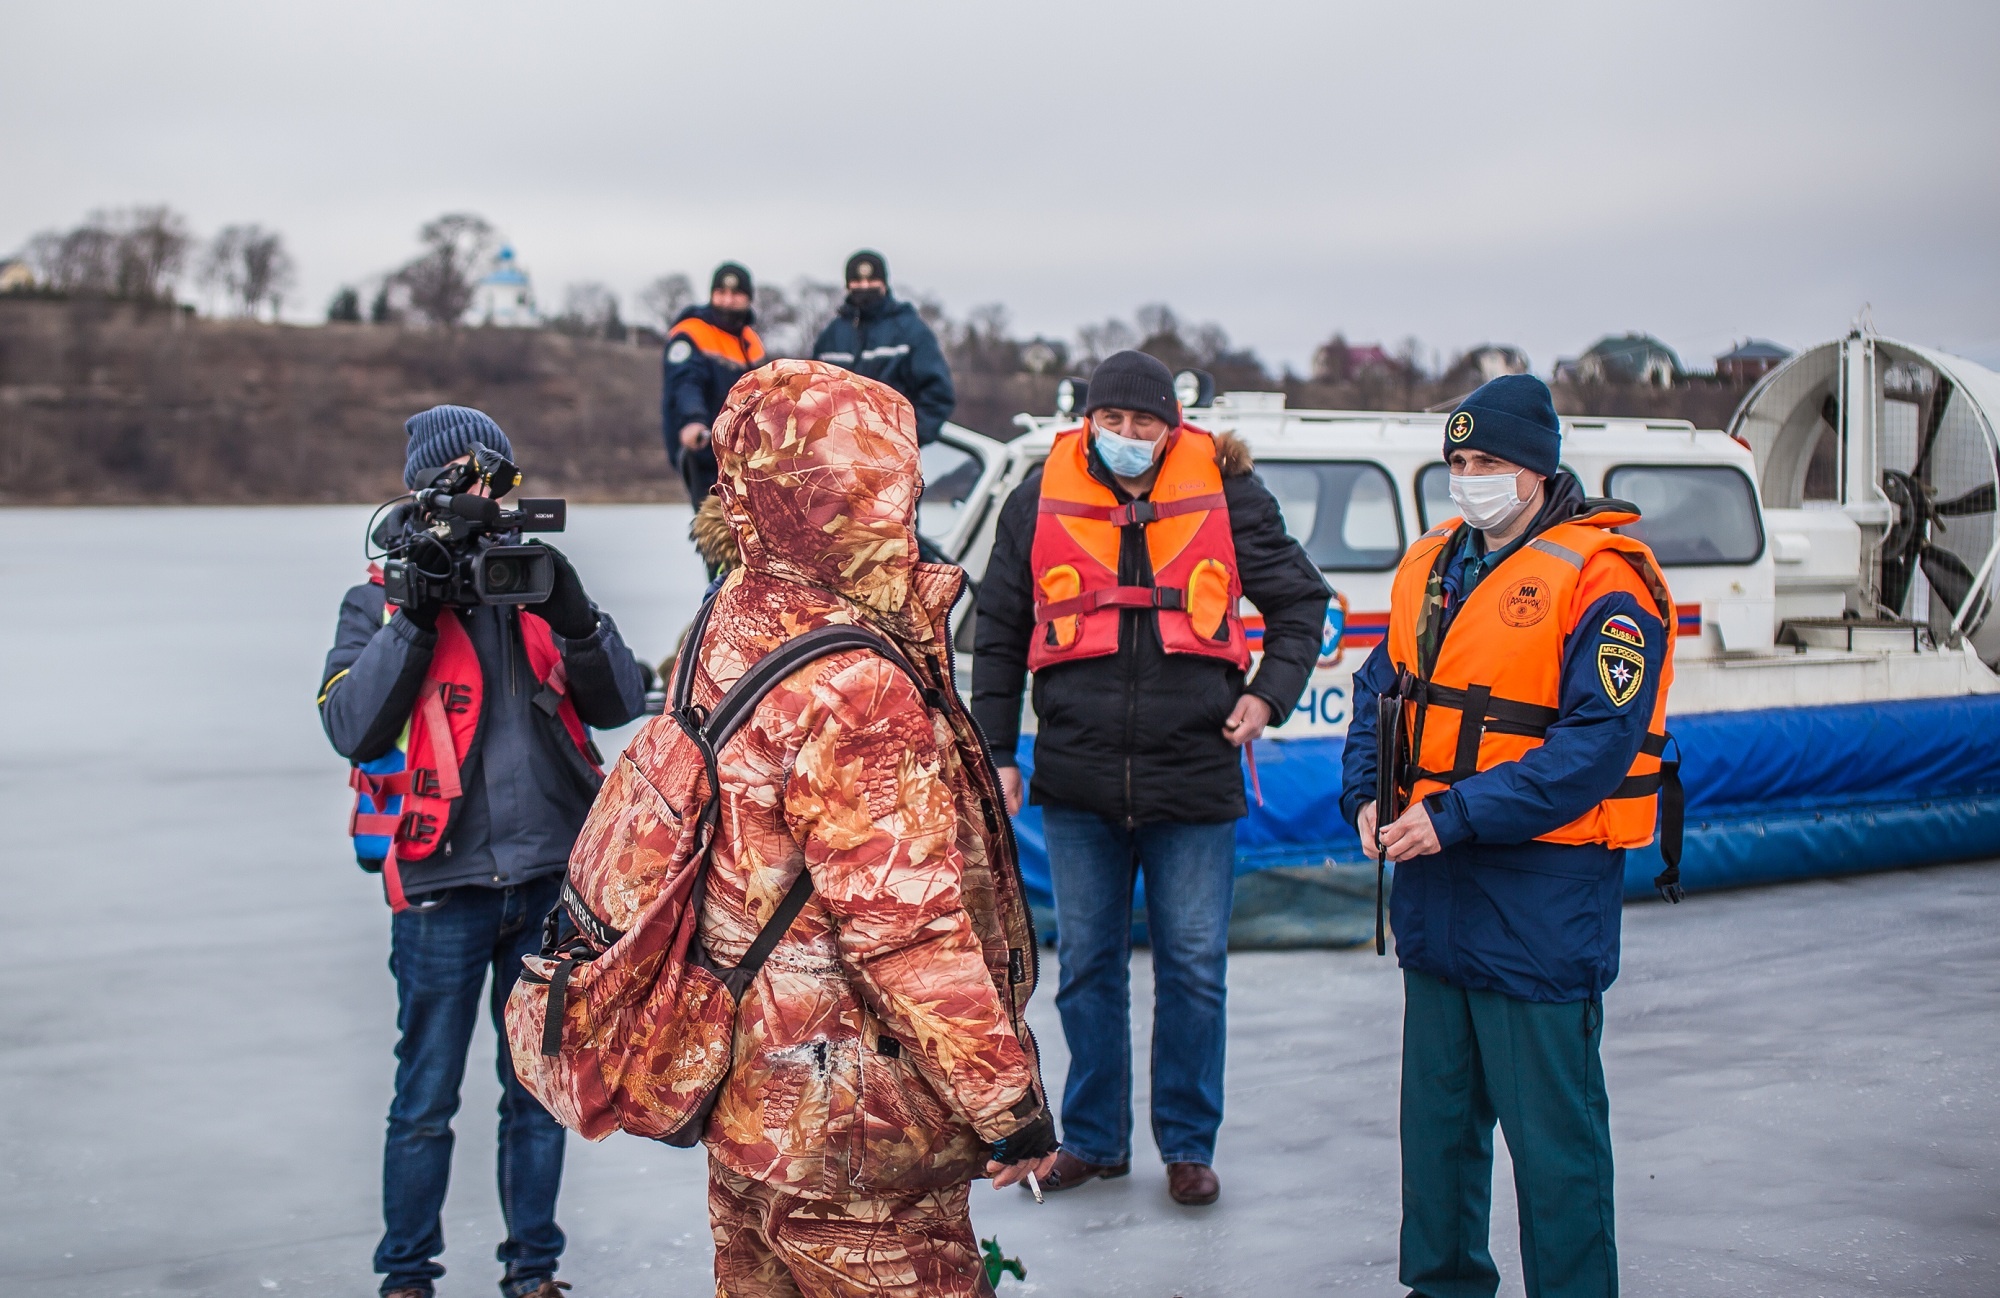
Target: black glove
(567,610)
(1035,1141)
(423,613)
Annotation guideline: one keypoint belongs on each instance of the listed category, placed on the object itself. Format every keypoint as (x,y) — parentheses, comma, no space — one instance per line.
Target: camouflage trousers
(769,1244)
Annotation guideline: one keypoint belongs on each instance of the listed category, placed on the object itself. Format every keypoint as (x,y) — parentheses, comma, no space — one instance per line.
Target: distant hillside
(102,404)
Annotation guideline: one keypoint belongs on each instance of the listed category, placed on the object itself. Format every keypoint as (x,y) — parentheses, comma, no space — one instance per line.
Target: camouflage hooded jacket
(884,1045)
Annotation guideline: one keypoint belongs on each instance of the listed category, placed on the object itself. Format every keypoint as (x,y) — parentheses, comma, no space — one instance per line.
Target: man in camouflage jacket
(882,1057)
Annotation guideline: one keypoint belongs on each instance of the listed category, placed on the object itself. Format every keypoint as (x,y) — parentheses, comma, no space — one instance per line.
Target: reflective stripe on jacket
(1195,589)
(1486,690)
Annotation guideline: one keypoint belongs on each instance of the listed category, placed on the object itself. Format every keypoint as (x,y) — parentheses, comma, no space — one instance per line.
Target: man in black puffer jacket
(884,339)
(1142,710)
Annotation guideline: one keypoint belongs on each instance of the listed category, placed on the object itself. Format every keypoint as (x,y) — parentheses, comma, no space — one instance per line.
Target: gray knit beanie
(442,434)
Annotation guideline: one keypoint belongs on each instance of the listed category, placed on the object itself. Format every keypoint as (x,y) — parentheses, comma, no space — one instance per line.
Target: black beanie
(725,272)
(1512,417)
(867,264)
(1133,381)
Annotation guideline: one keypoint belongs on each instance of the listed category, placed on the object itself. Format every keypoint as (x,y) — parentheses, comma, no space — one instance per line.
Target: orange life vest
(1490,691)
(1196,589)
(403,801)
(744,352)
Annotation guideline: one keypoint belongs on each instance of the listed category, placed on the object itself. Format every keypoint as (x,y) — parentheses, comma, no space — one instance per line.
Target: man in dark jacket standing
(708,348)
(1528,656)
(481,873)
(1115,575)
(877,336)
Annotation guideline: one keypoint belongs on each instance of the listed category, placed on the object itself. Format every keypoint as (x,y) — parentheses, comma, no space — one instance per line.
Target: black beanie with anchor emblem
(1513,417)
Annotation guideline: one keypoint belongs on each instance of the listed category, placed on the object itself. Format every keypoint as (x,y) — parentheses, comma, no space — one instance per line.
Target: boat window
(1691,514)
(950,474)
(1343,512)
(1434,495)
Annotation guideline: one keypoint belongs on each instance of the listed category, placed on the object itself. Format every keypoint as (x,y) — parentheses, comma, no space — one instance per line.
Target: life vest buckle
(418,827)
(424,782)
(456,697)
(1139,511)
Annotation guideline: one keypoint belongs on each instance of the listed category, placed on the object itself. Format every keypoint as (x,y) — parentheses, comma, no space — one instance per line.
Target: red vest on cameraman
(407,796)
(1196,590)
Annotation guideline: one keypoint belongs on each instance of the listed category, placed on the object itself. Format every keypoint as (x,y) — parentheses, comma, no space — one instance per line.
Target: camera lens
(502,576)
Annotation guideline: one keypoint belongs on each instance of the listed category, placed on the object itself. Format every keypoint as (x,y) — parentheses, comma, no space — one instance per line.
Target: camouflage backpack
(623,1022)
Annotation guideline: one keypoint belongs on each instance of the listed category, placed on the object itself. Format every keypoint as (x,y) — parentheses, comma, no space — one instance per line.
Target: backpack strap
(731,711)
(683,686)
(736,705)
(766,941)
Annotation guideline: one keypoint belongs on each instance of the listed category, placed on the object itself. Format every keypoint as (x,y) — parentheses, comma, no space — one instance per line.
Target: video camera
(449,546)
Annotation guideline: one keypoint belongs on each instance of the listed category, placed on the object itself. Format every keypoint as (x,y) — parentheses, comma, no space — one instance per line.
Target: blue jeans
(1190,873)
(440,958)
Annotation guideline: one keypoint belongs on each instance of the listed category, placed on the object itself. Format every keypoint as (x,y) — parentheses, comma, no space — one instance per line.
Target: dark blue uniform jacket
(1495,910)
(692,389)
(527,790)
(890,344)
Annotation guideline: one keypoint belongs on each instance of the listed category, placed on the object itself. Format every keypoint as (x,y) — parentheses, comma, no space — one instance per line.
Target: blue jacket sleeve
(930,391)
(1358,758)
(372,676)
(1588,750)
(683,392)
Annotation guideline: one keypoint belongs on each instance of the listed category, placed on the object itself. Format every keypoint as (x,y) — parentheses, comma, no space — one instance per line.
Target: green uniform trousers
(1471,1056)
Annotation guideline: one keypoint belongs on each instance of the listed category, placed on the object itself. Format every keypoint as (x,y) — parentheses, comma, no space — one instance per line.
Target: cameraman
(503,693)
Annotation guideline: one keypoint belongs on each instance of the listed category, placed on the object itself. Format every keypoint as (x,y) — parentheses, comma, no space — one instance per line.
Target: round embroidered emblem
(1525,603)
(1460,426)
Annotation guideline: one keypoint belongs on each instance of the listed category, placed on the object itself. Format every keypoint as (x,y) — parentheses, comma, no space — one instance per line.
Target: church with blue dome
(505,297)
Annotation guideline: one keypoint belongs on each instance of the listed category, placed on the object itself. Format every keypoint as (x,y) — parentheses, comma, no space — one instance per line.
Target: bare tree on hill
(153,245)
(590,310)
(665,298)
(443,280)
(250,264)
(790,321)
(136,254)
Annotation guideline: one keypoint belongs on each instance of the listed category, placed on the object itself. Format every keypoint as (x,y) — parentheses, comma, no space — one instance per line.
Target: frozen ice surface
(196,1029)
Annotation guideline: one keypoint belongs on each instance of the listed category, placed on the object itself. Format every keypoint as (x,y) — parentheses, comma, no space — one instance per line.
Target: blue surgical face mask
(1122,455)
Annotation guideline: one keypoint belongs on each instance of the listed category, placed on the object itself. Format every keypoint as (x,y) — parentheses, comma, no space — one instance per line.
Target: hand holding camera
(567,610)
(457,545)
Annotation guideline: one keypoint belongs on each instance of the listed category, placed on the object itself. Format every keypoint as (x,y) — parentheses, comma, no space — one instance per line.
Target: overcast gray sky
(1530,173)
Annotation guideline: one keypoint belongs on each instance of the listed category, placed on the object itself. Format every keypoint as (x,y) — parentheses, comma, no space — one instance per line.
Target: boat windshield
(950,474)
(1343,511)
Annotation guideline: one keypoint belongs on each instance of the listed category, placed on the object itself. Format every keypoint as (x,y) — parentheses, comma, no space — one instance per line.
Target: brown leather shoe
(1194,1184)
(548,1289)
(1071,1171)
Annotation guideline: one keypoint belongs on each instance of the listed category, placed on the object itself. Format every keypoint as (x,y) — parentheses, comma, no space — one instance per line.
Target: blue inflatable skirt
(1780,793)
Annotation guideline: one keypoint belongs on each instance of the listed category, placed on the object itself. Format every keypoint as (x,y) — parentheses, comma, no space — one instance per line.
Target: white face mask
(1126,457)
(1487,500)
